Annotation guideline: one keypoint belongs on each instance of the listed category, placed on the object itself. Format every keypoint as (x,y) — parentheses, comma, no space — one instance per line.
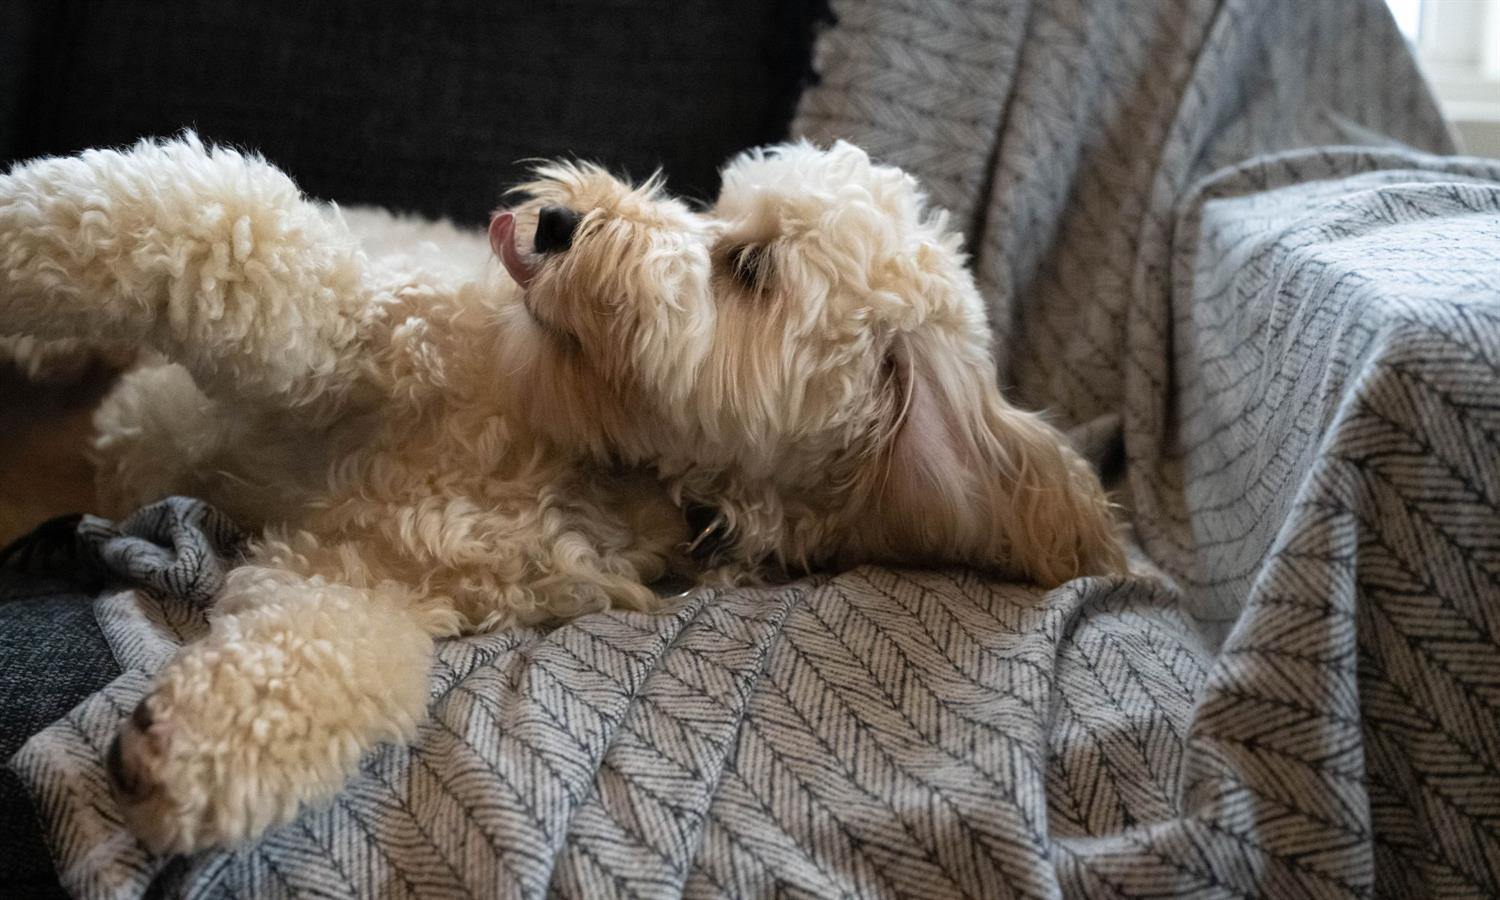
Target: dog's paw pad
(134,756)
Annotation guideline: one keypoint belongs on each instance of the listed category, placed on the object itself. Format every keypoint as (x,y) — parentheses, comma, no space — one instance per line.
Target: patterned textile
(1211,218)
(54,655)
(178,546)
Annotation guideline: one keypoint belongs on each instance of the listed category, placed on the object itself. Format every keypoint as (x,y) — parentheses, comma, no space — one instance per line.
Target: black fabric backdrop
(422,105)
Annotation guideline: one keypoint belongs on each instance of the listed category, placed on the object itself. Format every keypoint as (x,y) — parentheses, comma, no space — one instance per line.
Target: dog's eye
(749,265)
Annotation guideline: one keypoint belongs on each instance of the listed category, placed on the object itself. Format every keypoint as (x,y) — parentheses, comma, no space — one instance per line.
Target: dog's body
(430,443)
(425,479)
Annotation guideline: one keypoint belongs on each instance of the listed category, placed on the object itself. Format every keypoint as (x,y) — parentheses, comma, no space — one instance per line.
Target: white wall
(1479,138)
(1458,44)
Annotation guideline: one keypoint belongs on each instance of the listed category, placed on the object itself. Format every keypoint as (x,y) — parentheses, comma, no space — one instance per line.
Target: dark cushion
(52,655)
(22,40)
(422,105)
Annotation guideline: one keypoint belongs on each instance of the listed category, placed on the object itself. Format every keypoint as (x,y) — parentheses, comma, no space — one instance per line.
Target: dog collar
(710,528)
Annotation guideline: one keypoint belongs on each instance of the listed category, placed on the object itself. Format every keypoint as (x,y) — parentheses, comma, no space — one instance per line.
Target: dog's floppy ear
(964,477)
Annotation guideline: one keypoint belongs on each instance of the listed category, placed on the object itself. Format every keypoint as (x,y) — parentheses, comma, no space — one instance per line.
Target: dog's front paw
(139,764)
(175,793)
(271,712)
(227,745)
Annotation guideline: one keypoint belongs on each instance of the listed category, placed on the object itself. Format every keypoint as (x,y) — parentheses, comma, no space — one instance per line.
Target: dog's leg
(297,678)
(212,257)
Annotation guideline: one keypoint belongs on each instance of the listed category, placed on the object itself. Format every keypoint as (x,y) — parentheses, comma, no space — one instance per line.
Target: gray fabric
(179,547)
(1210,217)
(53,656)
(1294,695)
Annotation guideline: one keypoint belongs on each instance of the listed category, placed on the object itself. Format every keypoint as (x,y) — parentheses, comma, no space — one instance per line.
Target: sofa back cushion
(420,105)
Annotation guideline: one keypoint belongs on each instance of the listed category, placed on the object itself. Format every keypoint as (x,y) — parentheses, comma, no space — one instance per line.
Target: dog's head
(810,357)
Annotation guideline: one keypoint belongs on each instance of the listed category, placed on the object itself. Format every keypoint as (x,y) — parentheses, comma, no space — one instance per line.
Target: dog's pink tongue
(503,242)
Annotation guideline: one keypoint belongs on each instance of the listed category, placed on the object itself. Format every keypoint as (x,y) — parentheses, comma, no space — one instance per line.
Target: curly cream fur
(428,447)
(839,406)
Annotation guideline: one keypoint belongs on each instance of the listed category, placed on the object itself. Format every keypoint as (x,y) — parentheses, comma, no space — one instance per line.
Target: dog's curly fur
(429,445)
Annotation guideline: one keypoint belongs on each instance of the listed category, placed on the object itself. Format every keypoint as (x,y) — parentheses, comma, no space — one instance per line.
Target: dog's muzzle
(555,226)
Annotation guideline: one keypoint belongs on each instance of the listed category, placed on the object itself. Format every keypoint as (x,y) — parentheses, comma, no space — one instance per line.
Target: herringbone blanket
(1213,219)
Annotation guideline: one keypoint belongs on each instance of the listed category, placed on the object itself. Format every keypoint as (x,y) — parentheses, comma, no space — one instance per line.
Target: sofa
(1229,243)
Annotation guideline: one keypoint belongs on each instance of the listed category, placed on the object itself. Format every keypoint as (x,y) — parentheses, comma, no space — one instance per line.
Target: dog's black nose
(554,229)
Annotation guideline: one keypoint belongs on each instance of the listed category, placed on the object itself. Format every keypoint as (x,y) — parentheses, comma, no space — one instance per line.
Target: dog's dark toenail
(554,229)
(114,767)
(141,717)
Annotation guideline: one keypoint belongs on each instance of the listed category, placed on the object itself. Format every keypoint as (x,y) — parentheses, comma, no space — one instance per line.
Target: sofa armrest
(1337,335)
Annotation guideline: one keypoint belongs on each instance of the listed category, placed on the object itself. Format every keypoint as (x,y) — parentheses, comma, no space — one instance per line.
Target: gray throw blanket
(1218,220)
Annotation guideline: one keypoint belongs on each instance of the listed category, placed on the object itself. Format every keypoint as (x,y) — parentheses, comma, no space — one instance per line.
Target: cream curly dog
(430,444)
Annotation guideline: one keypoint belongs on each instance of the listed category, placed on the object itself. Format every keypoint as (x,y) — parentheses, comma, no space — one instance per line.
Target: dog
(426,445)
